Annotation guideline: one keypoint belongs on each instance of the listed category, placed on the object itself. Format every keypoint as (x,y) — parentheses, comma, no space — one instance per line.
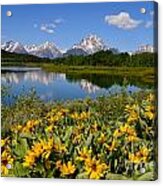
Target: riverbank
(85,69)
(146,74)
(65,139)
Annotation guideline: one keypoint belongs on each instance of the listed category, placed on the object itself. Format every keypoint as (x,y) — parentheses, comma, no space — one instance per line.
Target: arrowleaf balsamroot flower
(84,154)
(67,168)
(140,156)
(6,159)
(94,168)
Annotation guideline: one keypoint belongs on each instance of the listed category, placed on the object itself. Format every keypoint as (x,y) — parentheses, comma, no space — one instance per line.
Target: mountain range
(88,45)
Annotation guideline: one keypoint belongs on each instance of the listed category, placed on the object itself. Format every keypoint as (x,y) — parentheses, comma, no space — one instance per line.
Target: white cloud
(58,21)
(50,27)
(149,24)
(122,20)
(46,29)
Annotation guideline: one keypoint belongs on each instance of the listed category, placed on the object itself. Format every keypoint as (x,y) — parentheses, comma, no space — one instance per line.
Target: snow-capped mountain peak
(44,50)
(88,45)
(12,46)
(30,47)
(91,44)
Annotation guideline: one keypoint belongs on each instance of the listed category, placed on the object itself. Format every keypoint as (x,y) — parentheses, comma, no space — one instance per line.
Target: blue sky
(120,25)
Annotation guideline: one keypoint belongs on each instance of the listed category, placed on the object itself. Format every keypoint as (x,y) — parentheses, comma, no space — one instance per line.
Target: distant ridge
(88,45)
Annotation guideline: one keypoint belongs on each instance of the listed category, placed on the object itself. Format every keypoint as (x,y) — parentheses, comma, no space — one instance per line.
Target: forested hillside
(102,58)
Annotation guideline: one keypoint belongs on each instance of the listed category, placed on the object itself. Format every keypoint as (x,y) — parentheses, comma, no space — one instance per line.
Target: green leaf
(82,176)
(89,140)
(39,168)
(68,134)
(147,177)
(19,170)
(21,148)
(111,176)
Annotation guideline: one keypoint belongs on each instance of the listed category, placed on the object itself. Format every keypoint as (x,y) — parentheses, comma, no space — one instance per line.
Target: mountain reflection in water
(61,86)
(39,76)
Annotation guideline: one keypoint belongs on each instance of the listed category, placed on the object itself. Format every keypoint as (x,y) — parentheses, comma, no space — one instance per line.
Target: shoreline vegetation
(143,65)
(146,75)
(106,138)
(102,58)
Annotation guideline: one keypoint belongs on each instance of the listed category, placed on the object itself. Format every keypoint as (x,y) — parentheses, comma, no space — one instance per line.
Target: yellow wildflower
(58,164)
(132,138)
(132,110)
(59,147)
(30,126)
(77,139)
(117,133)
(112,147)
(64,110)
(84,154)
(134,159)
(151,97)
(4,141)
(124,128)
(6,159)
(47,146)
(149,112)
(94,127)
(49,128)
(29,159)
(43,148)
(131,131)
(150,115)
(94,168)
(102,138)
(67,169)
(140,156)
(37,149)
(144,151)
(133,117)
(84,115)
(129,108)
(53,119)
(75,115)
(16,128)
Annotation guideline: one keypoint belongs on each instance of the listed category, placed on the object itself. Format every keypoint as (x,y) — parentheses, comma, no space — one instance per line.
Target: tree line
(102,58)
